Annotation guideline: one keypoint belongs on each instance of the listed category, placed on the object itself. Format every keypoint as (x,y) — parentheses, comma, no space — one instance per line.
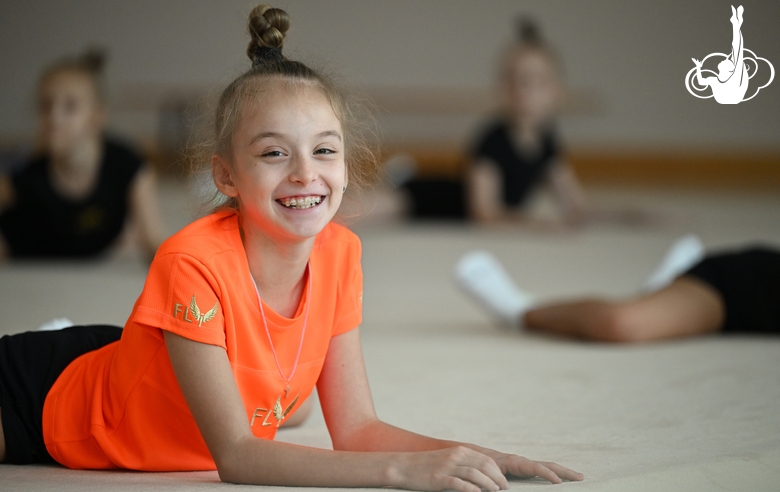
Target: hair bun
(93,59)
(528,31)
(267,26)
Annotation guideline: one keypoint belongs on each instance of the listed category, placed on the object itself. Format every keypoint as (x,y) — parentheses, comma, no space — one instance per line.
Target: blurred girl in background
(520,150)
(78,196)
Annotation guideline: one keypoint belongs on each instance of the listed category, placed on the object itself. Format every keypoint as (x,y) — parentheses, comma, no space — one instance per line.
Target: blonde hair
(267,28)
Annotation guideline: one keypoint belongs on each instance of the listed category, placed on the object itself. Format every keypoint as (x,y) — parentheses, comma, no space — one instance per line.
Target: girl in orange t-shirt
(243,312)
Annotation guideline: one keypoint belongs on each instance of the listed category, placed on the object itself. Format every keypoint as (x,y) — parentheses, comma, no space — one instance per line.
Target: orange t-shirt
(121,407)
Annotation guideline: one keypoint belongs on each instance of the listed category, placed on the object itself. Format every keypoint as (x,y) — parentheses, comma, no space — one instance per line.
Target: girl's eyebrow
(330,133)
(260,136)
(263,135)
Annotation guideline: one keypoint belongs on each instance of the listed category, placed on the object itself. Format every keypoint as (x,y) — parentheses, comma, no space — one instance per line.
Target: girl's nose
(303,171)
(55,115)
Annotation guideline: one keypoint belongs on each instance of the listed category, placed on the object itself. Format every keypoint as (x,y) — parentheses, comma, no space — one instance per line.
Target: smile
(300,203)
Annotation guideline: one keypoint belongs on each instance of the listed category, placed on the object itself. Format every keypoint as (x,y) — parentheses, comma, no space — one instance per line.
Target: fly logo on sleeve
(192,313)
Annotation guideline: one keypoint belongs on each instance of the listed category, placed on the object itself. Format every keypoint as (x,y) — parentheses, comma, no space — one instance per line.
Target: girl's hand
(525,468)
(457,468)
(466,470)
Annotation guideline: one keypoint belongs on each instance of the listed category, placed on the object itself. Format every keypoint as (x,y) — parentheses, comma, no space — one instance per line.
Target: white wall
(634,55)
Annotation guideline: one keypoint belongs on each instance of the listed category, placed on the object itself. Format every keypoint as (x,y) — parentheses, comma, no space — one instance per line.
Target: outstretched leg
(482,276)
(685,308)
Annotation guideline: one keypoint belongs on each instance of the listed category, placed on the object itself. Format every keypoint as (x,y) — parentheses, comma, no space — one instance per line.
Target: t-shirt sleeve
(349,310)
(182,296)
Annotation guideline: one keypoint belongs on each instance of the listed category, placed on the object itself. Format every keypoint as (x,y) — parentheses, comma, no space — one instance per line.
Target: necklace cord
(303,331)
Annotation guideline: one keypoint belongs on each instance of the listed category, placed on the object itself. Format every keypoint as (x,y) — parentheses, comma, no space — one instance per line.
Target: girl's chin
(57,148)
(305,223)
(303,233)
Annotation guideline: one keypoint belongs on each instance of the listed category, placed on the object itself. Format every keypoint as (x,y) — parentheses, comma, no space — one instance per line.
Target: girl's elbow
(228,473)
(232,472)
(343,443)
(229,464)
(358,438)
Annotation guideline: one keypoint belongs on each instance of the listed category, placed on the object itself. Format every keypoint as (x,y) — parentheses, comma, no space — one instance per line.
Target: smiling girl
(243,312)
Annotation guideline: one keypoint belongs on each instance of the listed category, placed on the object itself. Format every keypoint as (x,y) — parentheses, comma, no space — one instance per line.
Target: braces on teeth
(301,203)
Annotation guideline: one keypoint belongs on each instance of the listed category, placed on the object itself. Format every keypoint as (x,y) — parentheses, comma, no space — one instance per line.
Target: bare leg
(300,415)
(2,438)
(685,308)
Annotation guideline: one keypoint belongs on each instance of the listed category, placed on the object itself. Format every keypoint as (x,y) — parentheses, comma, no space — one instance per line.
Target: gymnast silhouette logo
(735,70)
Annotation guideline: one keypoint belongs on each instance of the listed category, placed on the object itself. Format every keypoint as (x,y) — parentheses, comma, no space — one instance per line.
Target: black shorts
(749,282)
(30,363)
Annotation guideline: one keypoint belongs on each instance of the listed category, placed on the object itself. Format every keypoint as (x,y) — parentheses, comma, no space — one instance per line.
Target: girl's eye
(324,151)
(273,153)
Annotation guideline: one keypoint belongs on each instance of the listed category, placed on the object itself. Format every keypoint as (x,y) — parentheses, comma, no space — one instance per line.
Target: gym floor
(697,414)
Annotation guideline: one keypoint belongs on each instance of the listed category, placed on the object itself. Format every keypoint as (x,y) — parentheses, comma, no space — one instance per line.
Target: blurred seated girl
(84,190)
(520,150)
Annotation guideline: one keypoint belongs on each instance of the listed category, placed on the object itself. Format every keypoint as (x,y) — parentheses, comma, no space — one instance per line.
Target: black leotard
(43,224)
(520,173)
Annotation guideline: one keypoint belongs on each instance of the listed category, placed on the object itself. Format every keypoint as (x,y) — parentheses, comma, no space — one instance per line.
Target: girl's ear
(220,170)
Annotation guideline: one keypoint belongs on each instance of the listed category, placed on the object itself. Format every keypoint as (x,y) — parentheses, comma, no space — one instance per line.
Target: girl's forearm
(378,436)
(389,457)
(261,462)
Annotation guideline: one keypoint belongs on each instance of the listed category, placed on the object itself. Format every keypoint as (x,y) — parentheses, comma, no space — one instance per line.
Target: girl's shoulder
(337,232)
(336,236)
(337,245)
(202,239)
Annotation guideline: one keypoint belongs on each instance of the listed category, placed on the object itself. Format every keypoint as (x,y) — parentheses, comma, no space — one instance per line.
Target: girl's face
(288,167)
(69,112)
(532,86)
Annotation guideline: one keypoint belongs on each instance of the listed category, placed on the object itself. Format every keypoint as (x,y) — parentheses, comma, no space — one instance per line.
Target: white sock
(481,275)
(682,255)
(56,324)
